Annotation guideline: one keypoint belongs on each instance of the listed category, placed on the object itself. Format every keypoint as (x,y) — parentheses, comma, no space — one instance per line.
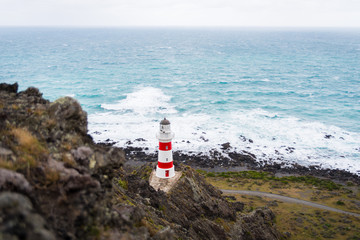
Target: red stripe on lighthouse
(165,165)
(164,146)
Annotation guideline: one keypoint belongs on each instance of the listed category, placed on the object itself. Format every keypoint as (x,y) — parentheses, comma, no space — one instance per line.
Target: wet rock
(290,149)
(204,139)
(19,221)
(242,138)
(140,140)
(328,136)
(225,146)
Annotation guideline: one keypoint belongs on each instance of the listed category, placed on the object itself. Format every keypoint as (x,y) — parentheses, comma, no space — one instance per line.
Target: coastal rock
(225,146)
(82,190)
(68,112)
(13,181)
(5,153)
(256,225)
(32,91)
(165,234)
(82,155)
(18,219)
(11,88)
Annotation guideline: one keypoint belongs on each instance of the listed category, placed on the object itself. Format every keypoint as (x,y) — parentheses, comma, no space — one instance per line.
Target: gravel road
(289,199)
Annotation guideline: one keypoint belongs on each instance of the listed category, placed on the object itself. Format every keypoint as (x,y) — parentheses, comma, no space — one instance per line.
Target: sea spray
(270,136)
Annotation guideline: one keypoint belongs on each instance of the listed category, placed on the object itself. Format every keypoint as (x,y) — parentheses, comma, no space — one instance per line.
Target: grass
(310,180)
(27,148)
(27,143)
(301,189)
(302,222)
(122,183)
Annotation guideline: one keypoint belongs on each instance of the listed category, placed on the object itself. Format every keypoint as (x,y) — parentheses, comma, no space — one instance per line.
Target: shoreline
(216,162)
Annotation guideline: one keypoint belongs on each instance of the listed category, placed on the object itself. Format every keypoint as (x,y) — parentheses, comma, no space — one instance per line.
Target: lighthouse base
(165,173)
(164,184)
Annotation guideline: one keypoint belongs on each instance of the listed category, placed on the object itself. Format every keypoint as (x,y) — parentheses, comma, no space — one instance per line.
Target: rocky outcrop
(19,220)
(256,225)
(56,183)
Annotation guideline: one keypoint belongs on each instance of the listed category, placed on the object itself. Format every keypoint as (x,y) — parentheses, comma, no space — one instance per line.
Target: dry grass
(51,176)
(24,137)
(301,221)
(304,222)
(6,164)
(68,160)
(15,107)
(350,196)
(50,123)
(28,149)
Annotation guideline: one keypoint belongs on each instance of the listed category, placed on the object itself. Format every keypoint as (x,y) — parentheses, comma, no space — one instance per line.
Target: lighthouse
(165,166)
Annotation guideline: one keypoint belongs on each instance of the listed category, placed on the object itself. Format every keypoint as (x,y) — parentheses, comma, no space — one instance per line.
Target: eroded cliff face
(56,183)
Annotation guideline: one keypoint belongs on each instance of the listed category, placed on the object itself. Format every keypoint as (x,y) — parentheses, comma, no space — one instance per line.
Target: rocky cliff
(56,183)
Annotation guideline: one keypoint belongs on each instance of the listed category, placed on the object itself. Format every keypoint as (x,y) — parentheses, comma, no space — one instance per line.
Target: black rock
(328,136)
(11,88)
(225,146)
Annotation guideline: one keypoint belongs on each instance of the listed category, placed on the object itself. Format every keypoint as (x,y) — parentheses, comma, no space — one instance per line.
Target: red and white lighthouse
(165,167)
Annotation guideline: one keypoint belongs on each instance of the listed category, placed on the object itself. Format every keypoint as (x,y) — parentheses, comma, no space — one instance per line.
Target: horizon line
(179,26)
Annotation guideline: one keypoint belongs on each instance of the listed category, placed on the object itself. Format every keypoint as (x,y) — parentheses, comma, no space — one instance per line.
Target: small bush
(123,184)
(340,203)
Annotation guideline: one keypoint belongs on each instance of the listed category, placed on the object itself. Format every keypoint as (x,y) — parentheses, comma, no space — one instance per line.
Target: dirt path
(289,199)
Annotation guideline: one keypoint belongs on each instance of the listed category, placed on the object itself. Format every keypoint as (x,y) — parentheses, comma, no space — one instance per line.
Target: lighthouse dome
(165,122)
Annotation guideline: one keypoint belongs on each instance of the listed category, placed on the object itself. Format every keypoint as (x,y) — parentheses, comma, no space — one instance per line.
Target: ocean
(285,95)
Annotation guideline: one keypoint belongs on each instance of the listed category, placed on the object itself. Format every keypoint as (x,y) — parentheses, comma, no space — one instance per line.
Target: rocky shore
(229,160)
(56,183)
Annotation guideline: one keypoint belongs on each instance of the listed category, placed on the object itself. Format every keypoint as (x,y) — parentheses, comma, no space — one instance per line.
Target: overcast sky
(287,13)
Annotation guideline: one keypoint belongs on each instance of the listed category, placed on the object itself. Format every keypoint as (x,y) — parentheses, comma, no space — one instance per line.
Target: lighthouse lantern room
(165,167)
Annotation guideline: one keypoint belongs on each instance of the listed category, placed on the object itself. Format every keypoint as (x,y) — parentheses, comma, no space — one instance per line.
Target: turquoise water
(280,88)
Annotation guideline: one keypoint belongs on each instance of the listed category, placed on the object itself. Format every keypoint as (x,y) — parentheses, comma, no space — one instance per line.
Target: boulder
(18,219)
(13,181)
(69,114)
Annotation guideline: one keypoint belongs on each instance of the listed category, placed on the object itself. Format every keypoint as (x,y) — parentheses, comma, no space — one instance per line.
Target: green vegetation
(122,183)
(296,220)
(310,180)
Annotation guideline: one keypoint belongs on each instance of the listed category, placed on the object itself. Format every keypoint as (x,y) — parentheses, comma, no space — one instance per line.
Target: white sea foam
(145,100)
(270,136)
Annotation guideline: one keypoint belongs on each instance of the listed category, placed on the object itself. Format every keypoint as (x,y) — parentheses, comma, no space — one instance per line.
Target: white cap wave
(273,137)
